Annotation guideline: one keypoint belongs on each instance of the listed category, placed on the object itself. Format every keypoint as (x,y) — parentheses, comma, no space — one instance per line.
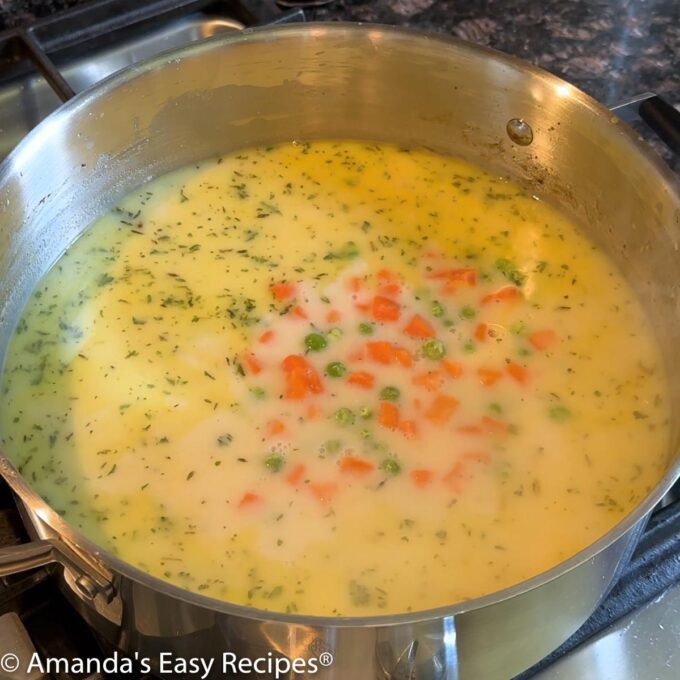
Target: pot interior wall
(340,82)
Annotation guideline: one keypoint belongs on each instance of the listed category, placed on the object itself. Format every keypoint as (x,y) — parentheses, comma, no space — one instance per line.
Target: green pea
(344,416)
(496,408)
(365,413)
(333,445)
(469,347)
(336,369)
(335,333)
(434,349)
(315,342)
(391,466)
(468,312)
(559,413)
(366,328)
(436,309)
(274,462)
(390,393)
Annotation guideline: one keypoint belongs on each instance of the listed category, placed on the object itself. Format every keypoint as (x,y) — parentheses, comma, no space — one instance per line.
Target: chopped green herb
(559,413)
(348,251)
(507,268)
(258,392)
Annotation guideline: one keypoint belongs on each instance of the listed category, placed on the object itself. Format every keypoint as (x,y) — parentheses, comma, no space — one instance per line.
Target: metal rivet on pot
(519,131)
(86,587)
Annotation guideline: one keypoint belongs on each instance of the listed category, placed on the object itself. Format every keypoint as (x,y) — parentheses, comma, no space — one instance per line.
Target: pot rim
(41,510)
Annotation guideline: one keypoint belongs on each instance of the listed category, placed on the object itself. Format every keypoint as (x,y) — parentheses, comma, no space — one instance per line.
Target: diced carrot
(430,380)
(380,351)
(384,309)
(421,478)
(354,283)
(299,313)
(296,386)
(323,491)
(294,477)
(403,356)
(390,290)
(465,276)
(356,354)
(275,427)
(441,409)
(252,363)
(481,332)
(488,376)
(478,456)
(385,276)
(453,368)
(388,415)
(505,294)
(283,290)
(355,466)
(542,340)
(266,337)
(418,327)
(333,316)
(386,353)
(313,412)
(294,362)
(361,379)
(518,372)
(301,377)
(389,283)
(494,426)
(408,428)
(454,475)
(469,429)
(249,500)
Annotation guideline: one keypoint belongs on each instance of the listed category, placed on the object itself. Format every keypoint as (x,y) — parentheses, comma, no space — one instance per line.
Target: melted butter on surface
(128,405)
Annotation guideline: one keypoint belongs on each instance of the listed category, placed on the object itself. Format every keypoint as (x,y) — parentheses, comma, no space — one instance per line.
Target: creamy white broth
(336,378)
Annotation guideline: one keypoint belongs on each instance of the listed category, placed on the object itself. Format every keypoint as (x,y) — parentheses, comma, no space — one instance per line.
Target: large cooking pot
(339,81)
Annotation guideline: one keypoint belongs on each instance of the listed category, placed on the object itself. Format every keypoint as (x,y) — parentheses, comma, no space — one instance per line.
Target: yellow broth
(336,378)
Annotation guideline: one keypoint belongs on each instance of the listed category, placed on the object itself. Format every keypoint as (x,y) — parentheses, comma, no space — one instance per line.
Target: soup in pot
(336,378)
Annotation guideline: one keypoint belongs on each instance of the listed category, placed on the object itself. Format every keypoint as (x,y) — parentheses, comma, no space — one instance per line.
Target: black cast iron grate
(92,25)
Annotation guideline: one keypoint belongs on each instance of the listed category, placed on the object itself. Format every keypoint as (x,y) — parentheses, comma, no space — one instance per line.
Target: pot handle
(657,113)
(18,558)
(42,553)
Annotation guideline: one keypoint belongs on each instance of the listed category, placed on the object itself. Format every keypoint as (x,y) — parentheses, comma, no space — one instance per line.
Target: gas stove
(633,635)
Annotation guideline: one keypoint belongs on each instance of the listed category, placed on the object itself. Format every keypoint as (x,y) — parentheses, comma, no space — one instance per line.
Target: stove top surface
(633,635)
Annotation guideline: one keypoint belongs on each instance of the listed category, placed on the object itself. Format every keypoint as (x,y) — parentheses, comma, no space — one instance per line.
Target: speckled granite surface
(612,49)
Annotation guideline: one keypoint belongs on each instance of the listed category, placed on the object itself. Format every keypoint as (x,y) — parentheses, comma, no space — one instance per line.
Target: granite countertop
(612,49)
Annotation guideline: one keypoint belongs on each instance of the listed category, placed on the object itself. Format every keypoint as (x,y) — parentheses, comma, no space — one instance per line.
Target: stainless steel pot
(343,81)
